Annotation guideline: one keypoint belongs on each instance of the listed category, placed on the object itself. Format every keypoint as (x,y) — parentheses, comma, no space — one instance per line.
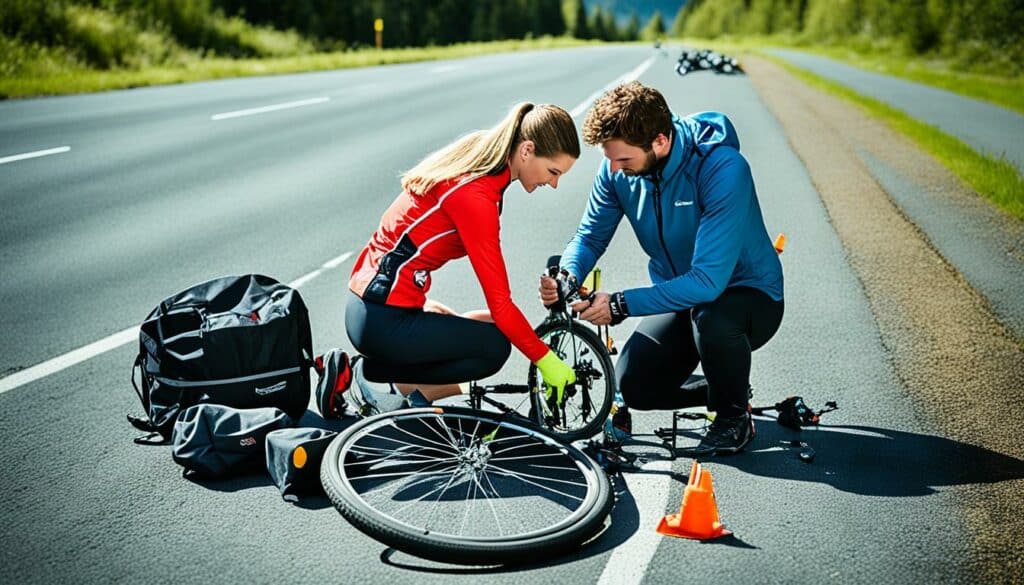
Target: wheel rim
(465,477)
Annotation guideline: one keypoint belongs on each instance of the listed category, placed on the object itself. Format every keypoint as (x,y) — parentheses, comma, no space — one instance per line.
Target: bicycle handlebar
(569,290)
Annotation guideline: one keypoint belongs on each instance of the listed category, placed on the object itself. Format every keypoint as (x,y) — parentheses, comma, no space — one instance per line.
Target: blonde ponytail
(486,151)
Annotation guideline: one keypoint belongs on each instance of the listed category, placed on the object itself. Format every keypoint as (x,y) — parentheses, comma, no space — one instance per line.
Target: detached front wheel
(465,486)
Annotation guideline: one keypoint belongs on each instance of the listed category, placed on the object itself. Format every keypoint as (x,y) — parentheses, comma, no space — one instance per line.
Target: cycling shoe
(369,398)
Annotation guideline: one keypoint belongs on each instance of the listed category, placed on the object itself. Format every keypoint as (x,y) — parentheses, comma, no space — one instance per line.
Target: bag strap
(143,423)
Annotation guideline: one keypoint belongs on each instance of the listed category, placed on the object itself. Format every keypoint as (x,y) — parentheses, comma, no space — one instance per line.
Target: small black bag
(212,441)
(240,341)
(293,460)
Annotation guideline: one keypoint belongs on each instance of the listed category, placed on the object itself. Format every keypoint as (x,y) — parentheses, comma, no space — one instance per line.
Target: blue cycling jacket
(697,219)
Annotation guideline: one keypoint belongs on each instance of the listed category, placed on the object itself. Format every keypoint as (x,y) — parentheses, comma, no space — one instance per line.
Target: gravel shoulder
(962,367)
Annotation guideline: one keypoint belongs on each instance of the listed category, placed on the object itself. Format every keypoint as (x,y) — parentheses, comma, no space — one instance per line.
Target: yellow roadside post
(378,28)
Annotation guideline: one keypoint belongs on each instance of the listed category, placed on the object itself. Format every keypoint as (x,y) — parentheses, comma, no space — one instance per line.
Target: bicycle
(472,486)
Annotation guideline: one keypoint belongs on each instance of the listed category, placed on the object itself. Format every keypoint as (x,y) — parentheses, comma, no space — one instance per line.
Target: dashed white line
(334,262)
(271,108)
(34,154)
(305,278)
(118,339)
(69,359)
(625,78)
(628,562)
(445,68)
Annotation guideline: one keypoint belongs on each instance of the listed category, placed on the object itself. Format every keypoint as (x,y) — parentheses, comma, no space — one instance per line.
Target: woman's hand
(556,374)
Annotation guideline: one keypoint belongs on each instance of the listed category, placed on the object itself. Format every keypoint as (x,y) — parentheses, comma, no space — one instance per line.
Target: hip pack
(240,341)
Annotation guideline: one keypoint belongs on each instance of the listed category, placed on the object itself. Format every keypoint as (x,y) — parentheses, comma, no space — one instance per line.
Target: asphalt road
(154,195)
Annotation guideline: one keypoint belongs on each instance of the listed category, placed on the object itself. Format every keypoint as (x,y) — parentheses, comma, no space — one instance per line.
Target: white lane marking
(69,359)
(34,154)
(628,562)
(445,68)
(334,262)
(116,340)
(273,108)
(305,278)
(630,76)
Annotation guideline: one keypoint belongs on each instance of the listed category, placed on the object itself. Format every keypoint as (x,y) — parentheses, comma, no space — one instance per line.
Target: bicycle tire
(348,478)
(601,401)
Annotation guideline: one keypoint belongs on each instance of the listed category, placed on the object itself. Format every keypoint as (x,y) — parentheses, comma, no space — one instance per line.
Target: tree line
(976,29)
(115,33)
(106,33)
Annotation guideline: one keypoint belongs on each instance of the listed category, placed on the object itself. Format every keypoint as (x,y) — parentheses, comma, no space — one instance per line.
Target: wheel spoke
(449,438)
(384,456)
(490,501)
(442,490)
(406,473)
(529,457)
(444,447)
(528,479)
(470,487)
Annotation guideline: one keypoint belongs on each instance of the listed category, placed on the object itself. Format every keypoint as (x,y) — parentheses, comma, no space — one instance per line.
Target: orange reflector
(780,242)
(299,457)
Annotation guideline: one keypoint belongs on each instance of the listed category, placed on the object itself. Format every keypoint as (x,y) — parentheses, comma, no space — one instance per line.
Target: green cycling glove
(556,374)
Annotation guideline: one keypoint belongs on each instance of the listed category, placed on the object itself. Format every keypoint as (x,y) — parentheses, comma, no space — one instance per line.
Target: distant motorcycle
(704,59)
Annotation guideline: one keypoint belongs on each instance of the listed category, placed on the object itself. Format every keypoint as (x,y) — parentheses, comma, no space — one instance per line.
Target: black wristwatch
(617,305)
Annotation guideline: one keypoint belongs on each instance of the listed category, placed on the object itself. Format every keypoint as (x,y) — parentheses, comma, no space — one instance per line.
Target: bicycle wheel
(586,403)
(465,486)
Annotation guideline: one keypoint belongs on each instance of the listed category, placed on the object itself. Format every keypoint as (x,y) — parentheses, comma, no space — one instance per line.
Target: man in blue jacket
(716,292)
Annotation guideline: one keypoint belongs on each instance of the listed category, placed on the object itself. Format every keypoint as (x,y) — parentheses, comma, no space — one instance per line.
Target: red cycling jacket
(420,233)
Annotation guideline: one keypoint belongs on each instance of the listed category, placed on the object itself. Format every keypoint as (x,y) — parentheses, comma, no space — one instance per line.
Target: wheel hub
(475,456)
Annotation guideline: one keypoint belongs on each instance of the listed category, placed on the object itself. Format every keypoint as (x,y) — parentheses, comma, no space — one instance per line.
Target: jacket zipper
(657,216)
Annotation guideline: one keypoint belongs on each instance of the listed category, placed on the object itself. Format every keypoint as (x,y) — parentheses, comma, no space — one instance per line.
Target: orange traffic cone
(698,514)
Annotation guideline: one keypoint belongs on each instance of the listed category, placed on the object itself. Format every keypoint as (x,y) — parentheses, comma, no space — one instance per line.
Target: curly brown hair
(631,112)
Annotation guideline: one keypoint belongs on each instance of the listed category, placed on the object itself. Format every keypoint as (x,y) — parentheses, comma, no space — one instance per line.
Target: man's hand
(596,310)
(548,291)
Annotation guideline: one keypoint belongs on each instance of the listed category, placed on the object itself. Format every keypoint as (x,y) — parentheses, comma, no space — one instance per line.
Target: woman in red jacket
(449,208)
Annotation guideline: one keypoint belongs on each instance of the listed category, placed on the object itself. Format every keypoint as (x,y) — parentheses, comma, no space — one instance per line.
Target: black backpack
(240,341)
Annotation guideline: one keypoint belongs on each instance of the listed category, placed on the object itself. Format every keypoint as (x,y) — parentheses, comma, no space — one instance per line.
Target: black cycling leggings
(720,335)
(414,346)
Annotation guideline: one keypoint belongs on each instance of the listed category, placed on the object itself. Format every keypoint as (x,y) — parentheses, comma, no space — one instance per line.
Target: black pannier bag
(240,341)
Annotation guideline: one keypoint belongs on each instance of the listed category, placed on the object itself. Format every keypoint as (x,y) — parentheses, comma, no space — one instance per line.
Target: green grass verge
(76,80)
(1007,92)
(995,179)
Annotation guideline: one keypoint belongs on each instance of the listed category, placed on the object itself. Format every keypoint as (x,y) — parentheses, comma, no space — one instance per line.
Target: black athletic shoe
(727,434)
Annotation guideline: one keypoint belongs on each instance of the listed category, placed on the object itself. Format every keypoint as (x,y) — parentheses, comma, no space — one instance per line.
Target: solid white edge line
(272,108)
(34,154)
(626,78)
(114,341)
